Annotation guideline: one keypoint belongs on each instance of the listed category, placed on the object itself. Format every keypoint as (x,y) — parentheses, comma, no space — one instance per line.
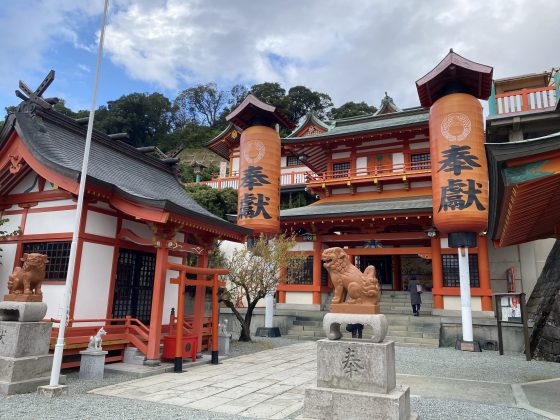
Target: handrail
(523,100)
(379,171)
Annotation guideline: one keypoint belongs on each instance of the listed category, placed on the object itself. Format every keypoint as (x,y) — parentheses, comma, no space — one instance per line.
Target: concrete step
(302,338)
(310,323)
(133,356)
(414,340)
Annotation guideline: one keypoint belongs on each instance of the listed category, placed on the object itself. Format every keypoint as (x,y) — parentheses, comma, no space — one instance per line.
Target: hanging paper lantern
(259,178)
(459,169)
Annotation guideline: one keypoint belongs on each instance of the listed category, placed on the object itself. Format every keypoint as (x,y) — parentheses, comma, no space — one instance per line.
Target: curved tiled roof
(57,142)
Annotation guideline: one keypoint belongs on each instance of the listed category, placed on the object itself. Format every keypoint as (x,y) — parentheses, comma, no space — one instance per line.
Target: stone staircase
(404,329)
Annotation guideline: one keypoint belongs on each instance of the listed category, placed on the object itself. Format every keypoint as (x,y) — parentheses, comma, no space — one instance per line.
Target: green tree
(146,118)
(202,104)
(302,100)
(272,94)
(217,201)
(255,272)
(351,109)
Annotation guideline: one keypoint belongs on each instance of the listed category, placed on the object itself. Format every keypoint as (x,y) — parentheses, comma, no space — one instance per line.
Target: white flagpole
(57,361)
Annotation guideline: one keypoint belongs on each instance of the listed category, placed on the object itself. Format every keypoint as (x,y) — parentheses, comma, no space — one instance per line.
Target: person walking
(415,290)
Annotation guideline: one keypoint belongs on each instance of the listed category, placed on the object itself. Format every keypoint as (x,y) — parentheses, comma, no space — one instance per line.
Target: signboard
(510,308)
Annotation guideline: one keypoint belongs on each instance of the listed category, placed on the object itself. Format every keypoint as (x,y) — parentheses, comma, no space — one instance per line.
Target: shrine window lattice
(420,161)
(292,161)
(305,274)
(340,169)
(58,254)
(450,265)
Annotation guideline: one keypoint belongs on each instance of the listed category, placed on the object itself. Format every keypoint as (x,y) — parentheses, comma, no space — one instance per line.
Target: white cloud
(30,29)
(353,50)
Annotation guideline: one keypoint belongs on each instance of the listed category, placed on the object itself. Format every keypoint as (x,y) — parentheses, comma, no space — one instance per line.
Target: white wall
(301,298)
(53,295)
(55,203)
(533,256)
(94,281)
(500,259)
(361,165)
(7,260)
(13,222)
(228,247)
(50,222)
(303,246)
(454,302)
(139,229)
(171,291)
(101,224)
(235,165)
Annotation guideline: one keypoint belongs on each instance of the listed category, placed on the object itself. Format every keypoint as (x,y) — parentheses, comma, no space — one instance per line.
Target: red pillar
(317,273)
(437,273)
(160,279)
(281,296)
(199,301)
(484,273)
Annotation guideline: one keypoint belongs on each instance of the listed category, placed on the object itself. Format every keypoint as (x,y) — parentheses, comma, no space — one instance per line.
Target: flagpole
(59,347)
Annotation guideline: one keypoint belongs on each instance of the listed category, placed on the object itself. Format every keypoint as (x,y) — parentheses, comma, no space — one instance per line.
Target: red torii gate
(182,281)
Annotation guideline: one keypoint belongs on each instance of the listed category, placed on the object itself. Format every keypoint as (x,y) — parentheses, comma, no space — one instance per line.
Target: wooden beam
(426,250)
(360,237)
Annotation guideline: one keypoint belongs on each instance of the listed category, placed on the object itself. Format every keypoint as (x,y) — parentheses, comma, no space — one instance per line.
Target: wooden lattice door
(134,285)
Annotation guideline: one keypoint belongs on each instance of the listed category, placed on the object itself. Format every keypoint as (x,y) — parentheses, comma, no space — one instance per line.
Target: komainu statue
(24,284)
(351,286)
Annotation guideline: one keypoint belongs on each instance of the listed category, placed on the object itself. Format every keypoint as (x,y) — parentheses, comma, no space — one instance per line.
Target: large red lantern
(259,168)
(459,170)
(258,204)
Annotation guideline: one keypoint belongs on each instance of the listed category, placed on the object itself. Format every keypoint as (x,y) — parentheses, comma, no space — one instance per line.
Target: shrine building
(372,179)
(137,220)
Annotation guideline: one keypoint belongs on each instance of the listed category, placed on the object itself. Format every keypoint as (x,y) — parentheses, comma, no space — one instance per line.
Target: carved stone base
(22,311)
(332,321)
(356,379)
(355,308)
(23,298)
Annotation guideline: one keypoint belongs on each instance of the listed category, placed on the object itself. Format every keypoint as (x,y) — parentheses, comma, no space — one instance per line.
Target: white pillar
(465,282)
(269,310)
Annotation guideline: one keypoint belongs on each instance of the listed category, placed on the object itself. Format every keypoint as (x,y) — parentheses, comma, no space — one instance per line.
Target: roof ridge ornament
(35,97)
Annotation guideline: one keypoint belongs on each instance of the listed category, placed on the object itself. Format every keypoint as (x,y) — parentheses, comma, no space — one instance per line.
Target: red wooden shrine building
(138,228)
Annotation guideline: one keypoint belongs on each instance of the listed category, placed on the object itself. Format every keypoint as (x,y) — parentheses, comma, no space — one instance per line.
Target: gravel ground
(442,362)
(486,366)
(239,348)
(429,409)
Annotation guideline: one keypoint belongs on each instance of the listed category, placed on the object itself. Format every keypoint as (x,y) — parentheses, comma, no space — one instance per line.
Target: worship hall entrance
(134,285)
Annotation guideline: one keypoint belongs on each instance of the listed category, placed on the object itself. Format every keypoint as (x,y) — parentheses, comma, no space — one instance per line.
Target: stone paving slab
(272,383)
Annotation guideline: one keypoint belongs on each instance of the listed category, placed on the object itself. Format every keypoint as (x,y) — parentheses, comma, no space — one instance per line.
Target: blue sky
(351,50)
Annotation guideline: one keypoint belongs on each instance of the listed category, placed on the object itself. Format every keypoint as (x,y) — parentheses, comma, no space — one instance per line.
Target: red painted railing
(526,100)
(292,178)
(378,172)
(120,333)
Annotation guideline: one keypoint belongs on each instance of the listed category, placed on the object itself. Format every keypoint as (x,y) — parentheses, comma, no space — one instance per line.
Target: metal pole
(465,282)
(59,347)
(525,326)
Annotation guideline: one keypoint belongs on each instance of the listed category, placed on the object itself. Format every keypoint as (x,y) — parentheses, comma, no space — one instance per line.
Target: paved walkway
(271,384)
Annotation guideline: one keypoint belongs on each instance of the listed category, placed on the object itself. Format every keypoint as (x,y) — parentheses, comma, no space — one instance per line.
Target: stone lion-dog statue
(351,286)
(26,281)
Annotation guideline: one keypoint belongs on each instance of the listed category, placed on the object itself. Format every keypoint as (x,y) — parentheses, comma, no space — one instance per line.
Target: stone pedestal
(92,364)
(356,379)
(24,360)
(22,311)
(223,343)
